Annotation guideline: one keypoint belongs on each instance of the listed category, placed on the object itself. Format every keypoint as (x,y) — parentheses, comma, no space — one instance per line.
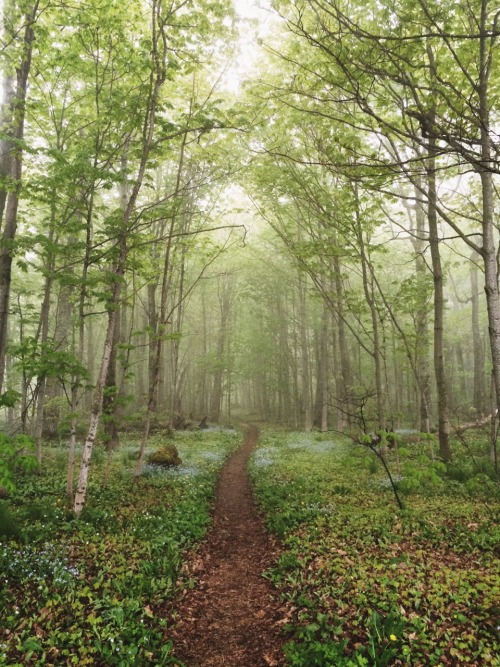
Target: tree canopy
(309,244)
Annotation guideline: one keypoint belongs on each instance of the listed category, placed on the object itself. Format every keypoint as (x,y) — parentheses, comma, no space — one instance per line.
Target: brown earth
(232,618)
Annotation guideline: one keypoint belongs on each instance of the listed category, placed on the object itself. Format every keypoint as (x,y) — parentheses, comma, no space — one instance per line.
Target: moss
(166,456)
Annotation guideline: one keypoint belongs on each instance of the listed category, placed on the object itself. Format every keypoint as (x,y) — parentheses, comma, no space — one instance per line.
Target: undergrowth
(95,591)
(368,584)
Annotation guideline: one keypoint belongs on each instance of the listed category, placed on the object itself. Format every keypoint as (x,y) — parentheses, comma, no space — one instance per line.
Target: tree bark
(81,489)
(489,249)
(5,145)
(367,269)
(422,319)
(344,399)
(304,356)
(15,164)
(477,342)
(225,304)
(323,371)
(110,397)
(437,274)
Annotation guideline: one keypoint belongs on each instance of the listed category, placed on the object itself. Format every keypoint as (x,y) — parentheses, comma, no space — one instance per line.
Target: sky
(257,21)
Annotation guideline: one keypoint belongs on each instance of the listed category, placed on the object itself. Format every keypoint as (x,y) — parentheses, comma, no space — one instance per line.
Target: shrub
(459,472)
(481,486)
(15,456)
(38,512)
(408,485)
(8,524)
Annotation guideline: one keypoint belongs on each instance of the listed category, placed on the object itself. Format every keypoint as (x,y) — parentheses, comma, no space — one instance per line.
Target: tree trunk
(367,270)
(323,370)
(156,81)
(437,274)
(202,389)
(15,164)
(160,322)
(175,402)
(81,489)
(463,398)
(304,356)
(225,303)
(70,473)
(489,250)
(345,398)
(421,319)
(110,397)
(477,343)
(5,144)
(42,338)
(76,379)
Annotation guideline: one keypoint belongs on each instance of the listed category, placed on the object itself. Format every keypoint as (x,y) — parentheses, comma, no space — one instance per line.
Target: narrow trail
(230,619)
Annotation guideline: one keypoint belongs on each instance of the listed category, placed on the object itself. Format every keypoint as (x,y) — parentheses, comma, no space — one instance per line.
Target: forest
(216,214)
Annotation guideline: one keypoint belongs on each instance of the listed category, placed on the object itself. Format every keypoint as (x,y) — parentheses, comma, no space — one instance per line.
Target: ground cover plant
(367,583)
(96,591)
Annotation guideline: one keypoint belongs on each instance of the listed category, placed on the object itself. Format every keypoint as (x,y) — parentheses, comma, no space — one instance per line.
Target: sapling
(372,441)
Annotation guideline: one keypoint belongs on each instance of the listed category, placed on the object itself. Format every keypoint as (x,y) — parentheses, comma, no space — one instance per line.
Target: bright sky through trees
(255,23)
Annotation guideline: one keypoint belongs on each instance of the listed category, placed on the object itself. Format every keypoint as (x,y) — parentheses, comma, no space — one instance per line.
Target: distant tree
(420,75)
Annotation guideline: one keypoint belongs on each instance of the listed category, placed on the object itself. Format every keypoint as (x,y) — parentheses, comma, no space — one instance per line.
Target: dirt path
(230,617)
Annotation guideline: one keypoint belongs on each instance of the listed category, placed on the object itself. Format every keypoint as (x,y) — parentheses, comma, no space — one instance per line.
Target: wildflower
(393,638)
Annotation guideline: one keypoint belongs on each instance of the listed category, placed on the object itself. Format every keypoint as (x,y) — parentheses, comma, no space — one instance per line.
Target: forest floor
(231,618)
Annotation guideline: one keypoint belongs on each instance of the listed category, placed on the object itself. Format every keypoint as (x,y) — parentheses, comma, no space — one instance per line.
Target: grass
(98,591)
(366,583)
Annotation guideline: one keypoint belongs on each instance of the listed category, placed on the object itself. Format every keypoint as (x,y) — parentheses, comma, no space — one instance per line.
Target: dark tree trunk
(14,163)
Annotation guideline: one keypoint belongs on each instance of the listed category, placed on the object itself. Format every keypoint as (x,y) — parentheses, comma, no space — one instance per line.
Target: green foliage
(426,477)
(370,585)
(482,486)
(316,645)
(321,654)
(462,471)
(96,591)
(43,360)
(9,527)
(15,452)
(9,398)
(383,633)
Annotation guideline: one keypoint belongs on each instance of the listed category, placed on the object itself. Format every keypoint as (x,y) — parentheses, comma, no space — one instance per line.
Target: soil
(232,618)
